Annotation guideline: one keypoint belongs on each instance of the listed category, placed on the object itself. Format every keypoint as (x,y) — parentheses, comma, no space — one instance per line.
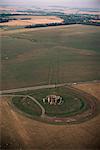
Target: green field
(49,55)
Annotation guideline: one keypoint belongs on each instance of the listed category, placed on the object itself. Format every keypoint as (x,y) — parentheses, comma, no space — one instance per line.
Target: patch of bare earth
(20,132)
(92,88)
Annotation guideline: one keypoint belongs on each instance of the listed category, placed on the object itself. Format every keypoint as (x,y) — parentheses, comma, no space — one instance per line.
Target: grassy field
(49,55)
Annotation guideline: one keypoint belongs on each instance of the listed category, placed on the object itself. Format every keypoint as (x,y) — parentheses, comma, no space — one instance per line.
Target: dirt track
(20,131)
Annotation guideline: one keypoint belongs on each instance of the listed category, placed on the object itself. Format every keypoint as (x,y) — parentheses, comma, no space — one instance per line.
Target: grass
(70,105)
(26,105)
(64,54)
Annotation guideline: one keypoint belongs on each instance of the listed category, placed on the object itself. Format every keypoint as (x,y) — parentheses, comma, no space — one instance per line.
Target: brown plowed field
(20,132)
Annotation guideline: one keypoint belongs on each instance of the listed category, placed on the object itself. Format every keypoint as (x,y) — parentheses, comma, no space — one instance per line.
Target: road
(30,88)
(43,87)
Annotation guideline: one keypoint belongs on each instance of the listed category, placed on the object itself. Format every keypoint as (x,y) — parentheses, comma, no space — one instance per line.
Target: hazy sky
(67,3)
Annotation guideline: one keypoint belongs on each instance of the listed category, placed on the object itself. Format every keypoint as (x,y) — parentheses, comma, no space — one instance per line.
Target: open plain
(32,57)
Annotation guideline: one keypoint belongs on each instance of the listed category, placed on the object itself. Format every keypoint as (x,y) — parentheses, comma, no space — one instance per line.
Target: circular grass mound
(77,106)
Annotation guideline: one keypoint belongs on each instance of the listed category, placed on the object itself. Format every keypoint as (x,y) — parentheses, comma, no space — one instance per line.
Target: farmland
(41,56)
(28,20)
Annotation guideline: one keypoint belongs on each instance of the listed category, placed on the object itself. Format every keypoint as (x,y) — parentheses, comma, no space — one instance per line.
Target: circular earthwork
(77,105)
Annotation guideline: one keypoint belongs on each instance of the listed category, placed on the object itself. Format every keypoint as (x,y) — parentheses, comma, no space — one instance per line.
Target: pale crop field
(32,20)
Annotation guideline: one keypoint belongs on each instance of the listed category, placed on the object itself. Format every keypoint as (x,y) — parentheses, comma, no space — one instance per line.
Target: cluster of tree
(92,23)
(25,19)
(6,19)
(47,25)
(6,15)
(3,20)
(80,19)
(42,25)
